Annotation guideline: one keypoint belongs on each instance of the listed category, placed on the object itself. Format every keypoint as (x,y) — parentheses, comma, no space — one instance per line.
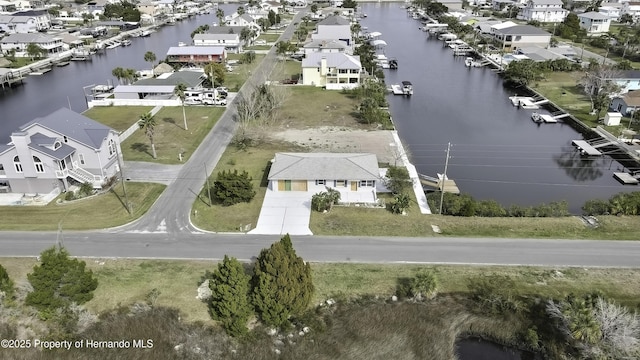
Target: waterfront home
(198,55)
(499,25)
(143,92)
(230,41)
(514,37)
(355,175)
(232,29)
(326,46)
(611,11)
(50,153)
(191,78)
(19,42)
(334,71)
(627,80)
(7,7)
(502,5)
(11,24)
(632,8)
(152,9)
(544,11)
(594,22)
(241,20)
(627,104)
(42,18)
(537,53)
(333,28)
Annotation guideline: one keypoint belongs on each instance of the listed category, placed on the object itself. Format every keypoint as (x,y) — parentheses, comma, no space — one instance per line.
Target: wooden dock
(449,185)
(625,178)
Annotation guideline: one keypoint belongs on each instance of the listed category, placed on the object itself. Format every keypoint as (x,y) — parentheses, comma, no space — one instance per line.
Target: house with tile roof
(352,174)
(545,11)
(50,153)
(334,71)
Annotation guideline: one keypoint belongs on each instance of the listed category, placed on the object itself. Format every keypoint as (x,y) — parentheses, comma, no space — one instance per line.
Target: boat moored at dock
(407,88)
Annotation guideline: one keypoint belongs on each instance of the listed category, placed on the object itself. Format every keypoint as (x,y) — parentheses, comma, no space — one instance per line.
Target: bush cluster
(619,204)
(466,205)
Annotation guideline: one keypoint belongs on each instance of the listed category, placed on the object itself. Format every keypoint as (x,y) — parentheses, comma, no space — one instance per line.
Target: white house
(335,71)
(326,46)
(632,8)
(544,11)
(42,18)
(594,22)
(354,175)
(333,28)
(241,20)
(231,42)
(611,11)
(18,24)
(19,42)
(628,80)
(514,37)
(48,153)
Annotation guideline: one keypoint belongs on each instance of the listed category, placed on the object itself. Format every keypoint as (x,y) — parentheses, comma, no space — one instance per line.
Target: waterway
(477,349)
(63,86)
(497,152)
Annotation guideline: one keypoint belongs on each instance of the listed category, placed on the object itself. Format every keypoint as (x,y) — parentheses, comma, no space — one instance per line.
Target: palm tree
(179,91)
(118,73)
(150,57)
(245,35)
(33,50)
(355,29)
(148,123)
(220,16)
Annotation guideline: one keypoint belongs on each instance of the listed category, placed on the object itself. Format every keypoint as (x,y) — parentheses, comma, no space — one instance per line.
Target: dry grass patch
(234,80)
(170,137)
(119,118)
(287,69)
(309,106)
(101,211)
(255,160)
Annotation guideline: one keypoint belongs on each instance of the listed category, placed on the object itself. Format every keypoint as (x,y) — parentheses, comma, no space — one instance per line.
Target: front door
(354,186)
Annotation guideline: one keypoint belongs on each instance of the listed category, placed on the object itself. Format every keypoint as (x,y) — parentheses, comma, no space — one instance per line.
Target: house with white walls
(545,11)
(594,23)
(333,71)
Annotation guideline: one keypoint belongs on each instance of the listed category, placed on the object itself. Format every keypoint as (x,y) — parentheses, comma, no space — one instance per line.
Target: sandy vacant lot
(342,139)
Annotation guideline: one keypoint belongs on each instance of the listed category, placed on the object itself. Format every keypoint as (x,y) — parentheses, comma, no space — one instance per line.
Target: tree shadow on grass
(120,199)
(170,120)
(142,148)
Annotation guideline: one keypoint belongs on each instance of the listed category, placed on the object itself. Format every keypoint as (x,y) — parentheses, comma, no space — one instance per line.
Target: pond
(478,349)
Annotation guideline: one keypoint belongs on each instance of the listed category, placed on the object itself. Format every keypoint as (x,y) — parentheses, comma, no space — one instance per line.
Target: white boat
(407,88)
(543,118)
(114,45)
(126,42)
(145,33)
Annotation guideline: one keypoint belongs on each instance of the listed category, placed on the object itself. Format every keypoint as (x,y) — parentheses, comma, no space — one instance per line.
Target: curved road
(166,232)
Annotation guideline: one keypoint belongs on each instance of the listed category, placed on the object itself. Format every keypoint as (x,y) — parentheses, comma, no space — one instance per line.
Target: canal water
(63,86)
(477,349)
(497,152)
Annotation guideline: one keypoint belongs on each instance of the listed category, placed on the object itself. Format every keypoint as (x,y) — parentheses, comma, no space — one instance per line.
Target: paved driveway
(284,212)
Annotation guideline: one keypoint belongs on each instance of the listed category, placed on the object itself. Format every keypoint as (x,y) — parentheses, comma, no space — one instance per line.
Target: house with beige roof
(19,42)
(627,104)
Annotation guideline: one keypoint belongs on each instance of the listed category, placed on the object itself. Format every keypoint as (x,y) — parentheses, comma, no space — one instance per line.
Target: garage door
(299,185)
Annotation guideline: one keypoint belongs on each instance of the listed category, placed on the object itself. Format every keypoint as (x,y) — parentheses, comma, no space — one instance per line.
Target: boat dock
(448,185)
(626,178)
(586,148)
(8,78)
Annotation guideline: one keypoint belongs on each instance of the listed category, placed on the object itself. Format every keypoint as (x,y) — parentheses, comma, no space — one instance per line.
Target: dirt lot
(343,139)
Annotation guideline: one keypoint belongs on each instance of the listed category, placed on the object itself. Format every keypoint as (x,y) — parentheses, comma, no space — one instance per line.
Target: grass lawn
(170,137)
(119,118)
(230,218)
(310,106)
(123,282)
(19,62)
(104,211)
(286,70)
(562,88)
(269,37)
(234,80)
(258,47)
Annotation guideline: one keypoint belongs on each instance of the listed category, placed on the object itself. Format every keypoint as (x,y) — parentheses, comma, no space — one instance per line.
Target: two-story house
(231,42)
(7,7)
(198,55)
(546,11)
(42,18)
(49,153)
(19,43)
(611,11)
(333,27)
(514,37)
(632,8)
(326,46)
(12,24)
(334,71)
(594,22)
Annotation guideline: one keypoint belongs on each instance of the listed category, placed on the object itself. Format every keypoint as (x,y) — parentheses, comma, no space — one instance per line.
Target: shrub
(231,188)
(401,204)
(424,284)
(86,189)
(229,301)
(6,284)
(324,201)
(70,196)
(397,179)
(595,207)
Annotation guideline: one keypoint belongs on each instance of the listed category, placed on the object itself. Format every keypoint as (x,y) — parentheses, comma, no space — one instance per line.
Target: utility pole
(444,177)
(206,176)
(124,187)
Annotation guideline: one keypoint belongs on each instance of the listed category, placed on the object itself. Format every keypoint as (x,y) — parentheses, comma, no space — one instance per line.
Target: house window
(17,164)
(38,164)
(112,147)
(81,158)
(339,183)
(342,71)
(57,145)
(318,69)
(321,182)
(353,71)
(368,183)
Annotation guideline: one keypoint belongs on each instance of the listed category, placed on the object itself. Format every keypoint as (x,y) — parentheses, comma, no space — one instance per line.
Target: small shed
(612,119)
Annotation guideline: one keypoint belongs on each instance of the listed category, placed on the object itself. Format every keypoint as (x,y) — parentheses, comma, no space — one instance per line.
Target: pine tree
(282,284)
(233,187)
(230,287)
(59,280)
(6,285)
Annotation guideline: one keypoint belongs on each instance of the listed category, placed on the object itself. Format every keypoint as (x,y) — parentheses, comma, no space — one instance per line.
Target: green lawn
(234,80)
(310,106)
(562,88)
(258,47)
(287,69)
(268,37)
(119,118)
(102,211)
(170,137)
(230,218)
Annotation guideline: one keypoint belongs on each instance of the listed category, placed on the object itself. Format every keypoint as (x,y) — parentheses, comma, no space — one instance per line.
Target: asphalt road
(333,249)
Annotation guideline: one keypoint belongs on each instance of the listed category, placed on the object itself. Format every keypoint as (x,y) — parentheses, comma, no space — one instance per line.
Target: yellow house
(335,71)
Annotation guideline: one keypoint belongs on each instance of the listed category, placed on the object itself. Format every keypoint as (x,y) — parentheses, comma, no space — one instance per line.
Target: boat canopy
(375,34)
(378,43)
(406,83)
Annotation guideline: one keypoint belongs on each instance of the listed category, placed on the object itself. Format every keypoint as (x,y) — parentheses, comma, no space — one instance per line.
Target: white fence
(125,134)
(134,102)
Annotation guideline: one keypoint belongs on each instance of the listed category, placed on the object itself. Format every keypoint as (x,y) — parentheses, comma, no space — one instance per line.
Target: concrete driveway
(284,212)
